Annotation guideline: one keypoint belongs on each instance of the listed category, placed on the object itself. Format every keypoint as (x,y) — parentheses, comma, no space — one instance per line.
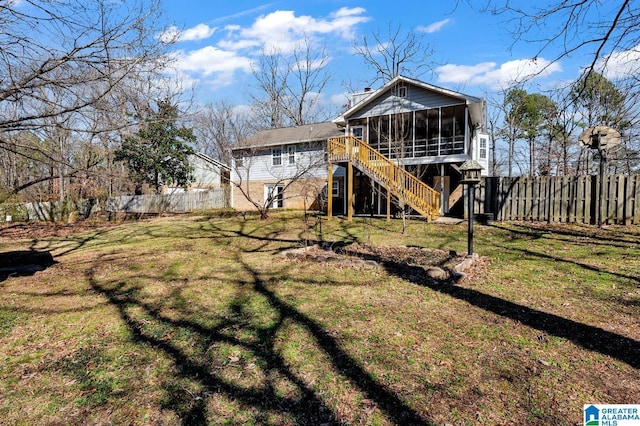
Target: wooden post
(349,190)
(388,204)
(329,190)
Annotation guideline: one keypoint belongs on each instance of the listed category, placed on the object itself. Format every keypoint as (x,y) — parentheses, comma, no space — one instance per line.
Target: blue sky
(473,52)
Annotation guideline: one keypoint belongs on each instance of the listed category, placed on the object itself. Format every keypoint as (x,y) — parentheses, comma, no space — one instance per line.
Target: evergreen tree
(158,153)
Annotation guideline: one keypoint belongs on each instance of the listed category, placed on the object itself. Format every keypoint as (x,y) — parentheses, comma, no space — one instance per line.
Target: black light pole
(470,177)
(470,188)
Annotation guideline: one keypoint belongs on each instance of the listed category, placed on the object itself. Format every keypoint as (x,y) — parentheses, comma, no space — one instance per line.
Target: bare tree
(510,130)
(603,29)
(62,61)
(299,167)
(219,128)
(494,114)
(290,85)
(394,53)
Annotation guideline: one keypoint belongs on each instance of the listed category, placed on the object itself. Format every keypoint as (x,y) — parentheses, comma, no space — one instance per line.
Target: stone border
(320,254)
(327,256)
(463,266)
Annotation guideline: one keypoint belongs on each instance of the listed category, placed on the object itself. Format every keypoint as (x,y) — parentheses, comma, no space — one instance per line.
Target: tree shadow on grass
(203,368)
(588,235)
(589,337)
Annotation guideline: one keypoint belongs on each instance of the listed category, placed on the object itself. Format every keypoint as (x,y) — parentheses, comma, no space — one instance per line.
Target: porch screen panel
(373,130)
(401,142)
(379,134)
(420,145)
(433,132)
(446,131)
(459,128)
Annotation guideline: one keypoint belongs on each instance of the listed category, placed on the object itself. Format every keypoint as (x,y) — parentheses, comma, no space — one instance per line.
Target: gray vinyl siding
(205,173)
(417,99)
(259,164)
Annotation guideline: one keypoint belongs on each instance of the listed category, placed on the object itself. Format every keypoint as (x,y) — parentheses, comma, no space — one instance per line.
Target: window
(402,91)
(275,193)
(357,131)
(240,162)
(276,156)
(335,190)
(291,154)
(483,148)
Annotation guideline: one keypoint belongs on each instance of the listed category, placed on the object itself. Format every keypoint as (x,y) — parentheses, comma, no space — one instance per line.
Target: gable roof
(211,160)
(476,105)
(291,135)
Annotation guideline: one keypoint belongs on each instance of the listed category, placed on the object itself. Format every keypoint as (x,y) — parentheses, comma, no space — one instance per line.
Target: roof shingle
(289,135)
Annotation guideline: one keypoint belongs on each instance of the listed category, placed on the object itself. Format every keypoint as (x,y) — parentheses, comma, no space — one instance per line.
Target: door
(276,192)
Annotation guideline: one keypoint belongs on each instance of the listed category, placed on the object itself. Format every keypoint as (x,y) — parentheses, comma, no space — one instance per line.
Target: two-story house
(396,147)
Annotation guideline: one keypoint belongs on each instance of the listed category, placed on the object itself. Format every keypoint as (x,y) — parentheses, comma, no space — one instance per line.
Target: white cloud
(346,19)
(283,29)
(451,73)
(169,35)
(210,59)
(340,100)
(620,64)
(199,32)
(435,27)
(488,73)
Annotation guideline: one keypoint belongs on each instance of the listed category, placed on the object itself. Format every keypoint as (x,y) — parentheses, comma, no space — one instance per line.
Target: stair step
(420,196)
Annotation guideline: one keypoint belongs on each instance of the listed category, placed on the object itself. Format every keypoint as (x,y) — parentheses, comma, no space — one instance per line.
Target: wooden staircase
(417,194)
(455,196)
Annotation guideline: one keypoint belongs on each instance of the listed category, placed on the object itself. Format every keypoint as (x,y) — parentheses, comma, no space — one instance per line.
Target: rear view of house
(398,147)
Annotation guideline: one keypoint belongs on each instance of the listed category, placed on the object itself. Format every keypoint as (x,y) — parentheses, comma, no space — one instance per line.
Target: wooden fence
(170,203)
(561,199)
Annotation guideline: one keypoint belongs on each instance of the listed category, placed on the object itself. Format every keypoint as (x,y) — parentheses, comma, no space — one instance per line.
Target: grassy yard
(201,320)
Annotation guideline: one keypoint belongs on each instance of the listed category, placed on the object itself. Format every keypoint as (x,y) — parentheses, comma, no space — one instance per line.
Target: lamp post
(470,177)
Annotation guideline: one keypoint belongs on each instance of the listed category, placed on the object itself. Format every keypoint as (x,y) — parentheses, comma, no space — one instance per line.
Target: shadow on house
(21,263)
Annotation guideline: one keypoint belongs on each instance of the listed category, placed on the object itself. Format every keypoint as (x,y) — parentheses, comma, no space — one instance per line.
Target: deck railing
(409,189)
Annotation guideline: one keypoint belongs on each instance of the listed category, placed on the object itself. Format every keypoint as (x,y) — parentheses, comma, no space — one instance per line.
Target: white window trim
(353,131)
(291,154)
(275,157)
(483,150)
(271,188)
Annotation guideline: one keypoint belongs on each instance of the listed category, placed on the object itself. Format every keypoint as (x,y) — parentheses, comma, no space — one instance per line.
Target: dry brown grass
(200,320)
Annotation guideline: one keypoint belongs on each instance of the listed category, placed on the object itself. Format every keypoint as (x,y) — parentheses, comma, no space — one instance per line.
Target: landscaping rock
(438,273)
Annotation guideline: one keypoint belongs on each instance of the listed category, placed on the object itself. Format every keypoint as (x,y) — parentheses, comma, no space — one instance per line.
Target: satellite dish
(601,138)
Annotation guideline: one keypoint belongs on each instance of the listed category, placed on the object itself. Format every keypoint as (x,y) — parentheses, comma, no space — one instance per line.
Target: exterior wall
(206,175)
(416,99)
(256,169)
(478,152)
(258,164)
(304,190)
